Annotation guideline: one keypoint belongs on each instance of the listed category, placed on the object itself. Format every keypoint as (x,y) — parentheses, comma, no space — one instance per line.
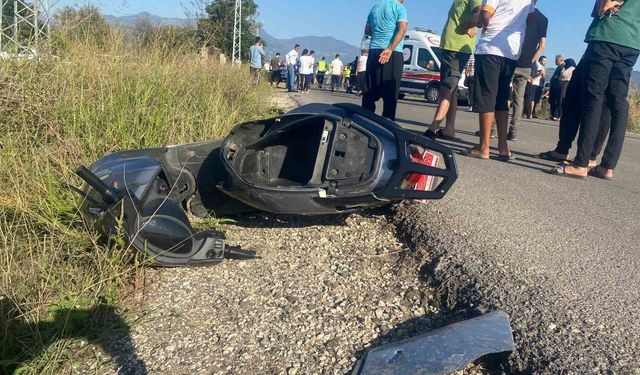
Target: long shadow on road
(524,159)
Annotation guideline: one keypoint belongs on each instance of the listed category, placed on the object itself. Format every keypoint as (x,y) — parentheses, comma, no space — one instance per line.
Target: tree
(145,32)
(82,23)
(167,38)
(216,28)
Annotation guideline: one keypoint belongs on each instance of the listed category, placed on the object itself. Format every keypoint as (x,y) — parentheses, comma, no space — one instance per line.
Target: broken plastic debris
(442,351)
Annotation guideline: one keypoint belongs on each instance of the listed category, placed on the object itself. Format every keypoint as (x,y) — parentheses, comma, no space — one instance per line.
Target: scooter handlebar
(108,194)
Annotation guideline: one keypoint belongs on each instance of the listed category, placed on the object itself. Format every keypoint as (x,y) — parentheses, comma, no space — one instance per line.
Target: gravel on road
(324,290)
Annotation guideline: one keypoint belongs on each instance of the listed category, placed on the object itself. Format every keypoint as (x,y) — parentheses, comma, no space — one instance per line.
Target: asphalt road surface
(561,256)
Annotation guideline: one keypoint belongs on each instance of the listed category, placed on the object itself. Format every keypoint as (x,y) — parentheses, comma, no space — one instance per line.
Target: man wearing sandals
(570,124)
(457,44)
(503,24)
(614,47)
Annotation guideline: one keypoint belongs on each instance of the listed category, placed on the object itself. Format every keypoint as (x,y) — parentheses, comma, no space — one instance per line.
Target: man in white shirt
(336,73)
(503,24)
(307,61)
(537,81)
(290,60)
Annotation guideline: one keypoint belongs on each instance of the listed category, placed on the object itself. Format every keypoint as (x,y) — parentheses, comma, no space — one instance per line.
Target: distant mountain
(323,45)
(130,21)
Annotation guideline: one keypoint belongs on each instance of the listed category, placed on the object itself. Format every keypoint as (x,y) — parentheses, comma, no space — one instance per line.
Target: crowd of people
(506,39)
(300,70)
(498,46)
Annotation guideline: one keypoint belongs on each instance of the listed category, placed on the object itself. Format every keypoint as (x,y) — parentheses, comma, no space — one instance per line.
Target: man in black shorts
(496,58)
(457,44)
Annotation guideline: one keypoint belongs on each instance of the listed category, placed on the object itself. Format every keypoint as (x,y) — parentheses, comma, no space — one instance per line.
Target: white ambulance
(422,56)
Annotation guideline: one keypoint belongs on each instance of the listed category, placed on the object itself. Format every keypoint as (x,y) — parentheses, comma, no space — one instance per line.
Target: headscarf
(569,63)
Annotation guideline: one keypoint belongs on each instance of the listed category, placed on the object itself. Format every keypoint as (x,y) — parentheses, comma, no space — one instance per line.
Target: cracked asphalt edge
(468,281)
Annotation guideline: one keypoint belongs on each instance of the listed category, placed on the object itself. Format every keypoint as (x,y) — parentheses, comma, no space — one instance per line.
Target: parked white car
(421,74)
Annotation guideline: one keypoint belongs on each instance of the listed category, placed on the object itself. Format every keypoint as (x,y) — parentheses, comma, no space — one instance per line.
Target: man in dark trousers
(614,47)
(555,90)
(276,74)
(387,24)
(322,71)
(570,123)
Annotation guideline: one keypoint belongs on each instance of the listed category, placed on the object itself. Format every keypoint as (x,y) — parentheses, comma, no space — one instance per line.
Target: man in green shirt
(614,47)
(457,44)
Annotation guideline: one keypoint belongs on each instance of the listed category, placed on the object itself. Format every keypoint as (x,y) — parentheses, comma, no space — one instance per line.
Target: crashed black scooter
(318,159)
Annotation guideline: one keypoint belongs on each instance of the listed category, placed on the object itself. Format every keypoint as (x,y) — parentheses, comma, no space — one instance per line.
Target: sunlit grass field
(59,286)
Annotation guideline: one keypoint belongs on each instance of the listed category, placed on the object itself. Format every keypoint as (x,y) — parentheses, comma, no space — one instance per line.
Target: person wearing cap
(322,70)
(347,79)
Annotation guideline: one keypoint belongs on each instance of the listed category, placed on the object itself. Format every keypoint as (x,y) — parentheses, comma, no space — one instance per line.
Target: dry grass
(56,280)
(634,110)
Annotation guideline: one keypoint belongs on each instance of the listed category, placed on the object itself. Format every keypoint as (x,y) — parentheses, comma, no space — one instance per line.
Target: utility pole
(33,16)
(236,59)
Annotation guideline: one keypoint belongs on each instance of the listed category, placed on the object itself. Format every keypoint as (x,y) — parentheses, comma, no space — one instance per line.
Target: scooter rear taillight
(422,182)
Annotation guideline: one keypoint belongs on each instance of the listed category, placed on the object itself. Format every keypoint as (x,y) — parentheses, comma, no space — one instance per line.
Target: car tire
(402,96)
(432,94)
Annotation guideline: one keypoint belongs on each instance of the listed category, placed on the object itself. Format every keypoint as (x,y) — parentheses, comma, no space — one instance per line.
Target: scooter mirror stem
(108,194)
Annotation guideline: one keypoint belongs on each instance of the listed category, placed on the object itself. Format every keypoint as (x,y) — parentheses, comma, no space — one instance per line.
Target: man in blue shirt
(256,53)
(387,24)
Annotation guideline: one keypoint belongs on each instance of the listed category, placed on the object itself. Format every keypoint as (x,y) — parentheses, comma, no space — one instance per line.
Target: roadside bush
(58,285)
(634,110)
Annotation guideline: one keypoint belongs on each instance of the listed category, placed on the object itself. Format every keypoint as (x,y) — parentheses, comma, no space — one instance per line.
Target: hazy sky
(344,19)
